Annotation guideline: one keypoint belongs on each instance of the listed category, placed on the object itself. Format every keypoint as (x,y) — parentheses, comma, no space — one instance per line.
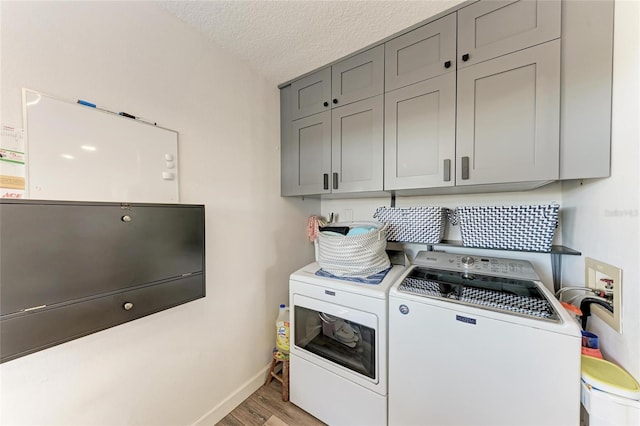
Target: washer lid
(510,296)
(608,377)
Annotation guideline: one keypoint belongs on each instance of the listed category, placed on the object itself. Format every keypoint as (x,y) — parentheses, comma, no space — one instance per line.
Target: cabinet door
(311,153)
(508,118)
(423,53)
(585,100)
(420,125)
(357,146)
(55,253)
(488,29)
(26,333)
(311,94)
(288,159)
(359,77)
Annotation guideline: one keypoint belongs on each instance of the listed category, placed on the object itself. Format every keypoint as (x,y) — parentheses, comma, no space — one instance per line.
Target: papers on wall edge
(12,163)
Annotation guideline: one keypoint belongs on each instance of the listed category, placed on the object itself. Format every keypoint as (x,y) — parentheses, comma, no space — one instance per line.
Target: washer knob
(467,261)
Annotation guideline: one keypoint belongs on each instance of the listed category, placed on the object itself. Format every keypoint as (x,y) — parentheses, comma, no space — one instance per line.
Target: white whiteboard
(76,152)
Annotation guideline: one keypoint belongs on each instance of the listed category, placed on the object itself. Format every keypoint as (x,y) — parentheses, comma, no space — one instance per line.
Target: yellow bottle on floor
(282,330)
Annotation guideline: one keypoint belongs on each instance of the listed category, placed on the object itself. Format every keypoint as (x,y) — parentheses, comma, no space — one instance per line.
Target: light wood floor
(265,404)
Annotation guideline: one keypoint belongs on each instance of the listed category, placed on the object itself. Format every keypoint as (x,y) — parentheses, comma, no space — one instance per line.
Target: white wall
(604,214)
(199,359)
(598,218)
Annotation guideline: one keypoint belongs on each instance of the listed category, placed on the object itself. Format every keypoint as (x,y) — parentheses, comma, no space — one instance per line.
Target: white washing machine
(480,341)
(338,349)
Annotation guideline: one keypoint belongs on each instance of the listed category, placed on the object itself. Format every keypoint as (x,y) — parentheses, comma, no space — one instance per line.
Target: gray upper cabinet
(332,140)
(492,95)
(310,153)
(508,118)
(488,29)
(359,77)
(351,80)
(585,100)
(423,53)
(357,146)
(420,125)
(507,99)
(311,94)
(336,151)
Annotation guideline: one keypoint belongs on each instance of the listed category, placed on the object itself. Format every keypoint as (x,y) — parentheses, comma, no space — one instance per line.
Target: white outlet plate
(608,278)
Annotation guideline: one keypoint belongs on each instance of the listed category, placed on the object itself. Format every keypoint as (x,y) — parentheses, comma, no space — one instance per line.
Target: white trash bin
(609,395)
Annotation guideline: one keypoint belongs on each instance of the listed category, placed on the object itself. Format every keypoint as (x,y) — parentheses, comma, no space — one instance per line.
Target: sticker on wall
(12,163)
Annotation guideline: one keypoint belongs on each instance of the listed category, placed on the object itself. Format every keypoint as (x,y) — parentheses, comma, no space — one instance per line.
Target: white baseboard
(245,390)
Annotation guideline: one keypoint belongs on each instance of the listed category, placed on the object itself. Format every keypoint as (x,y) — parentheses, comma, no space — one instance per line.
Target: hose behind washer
(585,307)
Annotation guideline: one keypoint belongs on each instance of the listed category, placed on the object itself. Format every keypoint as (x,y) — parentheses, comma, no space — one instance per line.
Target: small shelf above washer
(555,250)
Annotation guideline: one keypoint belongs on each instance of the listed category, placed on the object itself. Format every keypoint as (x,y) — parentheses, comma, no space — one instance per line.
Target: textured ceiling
(284,39)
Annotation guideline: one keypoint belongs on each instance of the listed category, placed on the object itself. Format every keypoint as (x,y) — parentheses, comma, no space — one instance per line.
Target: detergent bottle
(282,330)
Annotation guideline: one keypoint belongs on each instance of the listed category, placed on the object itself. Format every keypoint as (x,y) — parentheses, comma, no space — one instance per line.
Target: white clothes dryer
(338,349)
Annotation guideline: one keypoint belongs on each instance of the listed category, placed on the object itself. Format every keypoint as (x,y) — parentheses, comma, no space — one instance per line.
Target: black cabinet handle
(335,101)
(447,64)
(465,57)
(335,181)
(326,181)
(326,103)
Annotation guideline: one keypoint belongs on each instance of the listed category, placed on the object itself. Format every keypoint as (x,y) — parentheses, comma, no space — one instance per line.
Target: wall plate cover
(608,279)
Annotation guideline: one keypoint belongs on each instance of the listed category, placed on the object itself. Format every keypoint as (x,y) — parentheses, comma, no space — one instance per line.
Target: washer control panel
(467,261)
(482,265)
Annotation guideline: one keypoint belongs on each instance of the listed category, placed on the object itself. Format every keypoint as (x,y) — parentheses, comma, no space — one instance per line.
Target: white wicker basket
(529,228)
(414,224)
(354,255)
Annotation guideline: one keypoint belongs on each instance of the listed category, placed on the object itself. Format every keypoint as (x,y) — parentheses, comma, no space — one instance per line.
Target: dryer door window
(336,338)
